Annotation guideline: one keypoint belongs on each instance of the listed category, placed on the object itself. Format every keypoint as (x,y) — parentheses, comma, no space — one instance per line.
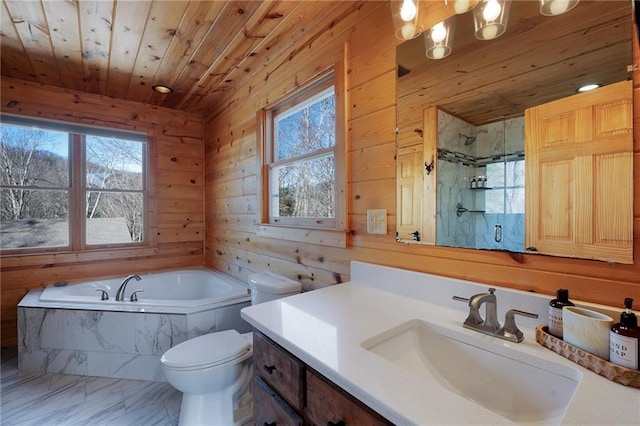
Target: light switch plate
(377,221)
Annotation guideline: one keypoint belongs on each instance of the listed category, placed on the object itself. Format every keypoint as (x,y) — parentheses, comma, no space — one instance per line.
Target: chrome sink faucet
(490,325)
(123,286)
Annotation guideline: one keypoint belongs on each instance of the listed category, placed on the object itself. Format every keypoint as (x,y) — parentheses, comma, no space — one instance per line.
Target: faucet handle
(510,330)
(134,295)
(104,295)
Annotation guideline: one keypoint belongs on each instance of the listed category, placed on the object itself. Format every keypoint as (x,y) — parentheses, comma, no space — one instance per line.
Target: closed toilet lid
(207,350)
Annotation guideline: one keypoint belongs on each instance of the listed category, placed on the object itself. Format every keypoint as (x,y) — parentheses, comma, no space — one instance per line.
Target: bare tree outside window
(303,174)
(36,189)
(34,197)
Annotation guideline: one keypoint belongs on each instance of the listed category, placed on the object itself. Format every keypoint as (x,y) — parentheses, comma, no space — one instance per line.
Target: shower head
(468,139)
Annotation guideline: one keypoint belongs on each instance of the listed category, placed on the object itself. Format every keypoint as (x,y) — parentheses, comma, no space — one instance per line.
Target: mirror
(470,192)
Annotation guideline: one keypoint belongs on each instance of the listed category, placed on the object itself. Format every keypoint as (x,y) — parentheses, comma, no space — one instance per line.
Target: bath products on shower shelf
(474,183)
(555,311)
(625,338)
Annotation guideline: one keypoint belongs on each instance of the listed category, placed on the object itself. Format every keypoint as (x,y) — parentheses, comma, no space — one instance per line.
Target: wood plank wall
(231,243)
(230,176)
(177,174)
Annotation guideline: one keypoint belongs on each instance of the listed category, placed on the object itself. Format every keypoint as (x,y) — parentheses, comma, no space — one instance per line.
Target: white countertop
(325,328)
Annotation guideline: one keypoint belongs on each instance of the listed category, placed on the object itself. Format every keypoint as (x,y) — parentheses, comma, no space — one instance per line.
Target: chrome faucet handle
(510,331)
(104,295)
(134,295)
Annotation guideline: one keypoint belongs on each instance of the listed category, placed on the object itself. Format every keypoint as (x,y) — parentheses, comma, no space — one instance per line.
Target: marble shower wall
(487,208)
(124,345)
(453,185)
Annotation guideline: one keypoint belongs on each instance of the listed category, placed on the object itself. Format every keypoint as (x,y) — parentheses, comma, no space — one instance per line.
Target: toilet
(214,371)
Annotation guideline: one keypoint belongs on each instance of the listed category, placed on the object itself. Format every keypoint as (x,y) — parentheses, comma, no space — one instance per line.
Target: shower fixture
(468,140)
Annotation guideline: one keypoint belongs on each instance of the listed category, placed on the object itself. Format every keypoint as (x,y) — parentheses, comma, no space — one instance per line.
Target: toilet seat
(207,351)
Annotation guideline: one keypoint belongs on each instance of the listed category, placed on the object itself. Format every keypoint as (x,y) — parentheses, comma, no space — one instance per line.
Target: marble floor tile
(45,399)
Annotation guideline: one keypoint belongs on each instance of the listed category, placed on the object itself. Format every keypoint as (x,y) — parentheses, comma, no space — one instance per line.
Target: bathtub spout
(123,286)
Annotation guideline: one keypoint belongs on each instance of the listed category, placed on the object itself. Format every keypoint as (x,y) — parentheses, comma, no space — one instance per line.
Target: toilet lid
(207,350)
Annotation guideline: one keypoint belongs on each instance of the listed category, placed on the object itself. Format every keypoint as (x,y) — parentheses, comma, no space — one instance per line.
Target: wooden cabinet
(287,392)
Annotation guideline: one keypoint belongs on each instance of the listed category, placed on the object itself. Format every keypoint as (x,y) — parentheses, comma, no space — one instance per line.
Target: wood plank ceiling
(121,48)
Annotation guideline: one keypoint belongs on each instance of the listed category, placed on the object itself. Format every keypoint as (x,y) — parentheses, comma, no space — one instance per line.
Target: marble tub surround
(110,344)
(326,329)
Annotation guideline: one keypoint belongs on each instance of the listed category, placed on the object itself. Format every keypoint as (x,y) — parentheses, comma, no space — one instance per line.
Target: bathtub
(181,291)
(67,328)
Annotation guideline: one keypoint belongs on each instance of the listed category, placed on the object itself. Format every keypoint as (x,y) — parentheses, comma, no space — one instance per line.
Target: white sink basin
(518,386)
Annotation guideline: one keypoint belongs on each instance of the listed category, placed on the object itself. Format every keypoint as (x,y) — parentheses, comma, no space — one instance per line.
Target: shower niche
(480,184)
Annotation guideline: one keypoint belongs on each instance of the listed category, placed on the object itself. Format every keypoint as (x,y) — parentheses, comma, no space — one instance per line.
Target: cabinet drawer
(327,404)
(271,410)
(283,372)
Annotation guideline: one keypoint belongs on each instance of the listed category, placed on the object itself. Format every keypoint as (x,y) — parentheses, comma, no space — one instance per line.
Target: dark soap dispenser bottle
(555,311)
(624,339)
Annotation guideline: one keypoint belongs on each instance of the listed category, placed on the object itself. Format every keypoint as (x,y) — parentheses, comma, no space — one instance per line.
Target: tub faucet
(123,286)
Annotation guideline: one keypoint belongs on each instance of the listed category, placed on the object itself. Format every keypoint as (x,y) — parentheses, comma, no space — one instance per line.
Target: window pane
(33,218)
(306,128)
(114,163)
(34,157)
(304,189)
(114,217)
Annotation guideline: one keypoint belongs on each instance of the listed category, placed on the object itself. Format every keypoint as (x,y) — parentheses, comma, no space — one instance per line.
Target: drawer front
(328,405)
(281,370)
(271,410)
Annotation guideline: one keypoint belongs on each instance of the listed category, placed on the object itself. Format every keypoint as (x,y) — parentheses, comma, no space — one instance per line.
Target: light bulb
(559,6)
(438,32)
(491,10)
(408,10)
(489,32)
(438,52)
(408,31)
(461,6)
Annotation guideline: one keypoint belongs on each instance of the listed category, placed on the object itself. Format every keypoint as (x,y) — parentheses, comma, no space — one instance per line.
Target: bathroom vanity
(286,391)
(390,344)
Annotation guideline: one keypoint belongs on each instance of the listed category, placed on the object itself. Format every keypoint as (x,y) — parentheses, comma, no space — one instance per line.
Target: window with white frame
(66,187)
(304,159)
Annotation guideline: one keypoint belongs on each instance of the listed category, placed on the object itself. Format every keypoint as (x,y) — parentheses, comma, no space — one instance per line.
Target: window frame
(77,190)
(325,232)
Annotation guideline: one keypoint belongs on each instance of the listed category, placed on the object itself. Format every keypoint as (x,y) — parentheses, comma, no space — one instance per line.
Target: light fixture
(165,90)
(461,6)
(439,39)
(556,7)
(490,18)
(405,19)
(588,87)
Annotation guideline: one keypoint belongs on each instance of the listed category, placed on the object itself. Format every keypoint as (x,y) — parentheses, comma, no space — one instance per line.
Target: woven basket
(613,372)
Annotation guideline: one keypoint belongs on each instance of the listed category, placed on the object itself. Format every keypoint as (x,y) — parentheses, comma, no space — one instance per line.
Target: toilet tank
(266,286)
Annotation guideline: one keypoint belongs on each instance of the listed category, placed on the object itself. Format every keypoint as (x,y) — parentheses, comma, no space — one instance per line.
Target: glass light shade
(405,19)
(556,7)
(461,6)
(438,40)
(490,18)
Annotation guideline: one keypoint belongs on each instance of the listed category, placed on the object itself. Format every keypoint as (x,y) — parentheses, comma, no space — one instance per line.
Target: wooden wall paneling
(373,129)
(373,95)
(377,162)
(330,259)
